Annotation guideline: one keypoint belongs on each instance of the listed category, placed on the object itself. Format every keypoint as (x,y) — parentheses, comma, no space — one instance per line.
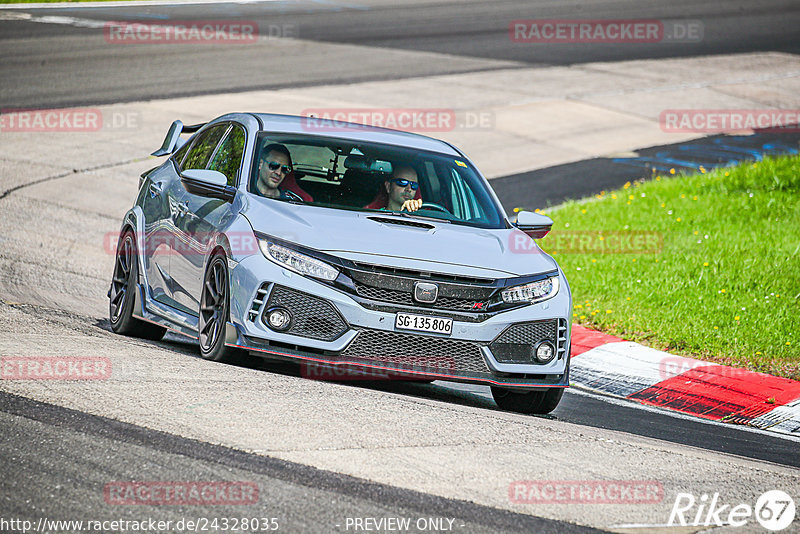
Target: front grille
(397,296)
(516,343)
(417,351)
(312,317)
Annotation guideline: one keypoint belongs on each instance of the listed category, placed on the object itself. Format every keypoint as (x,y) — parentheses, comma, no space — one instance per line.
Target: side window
(229,156)
(177,157)
(204,147)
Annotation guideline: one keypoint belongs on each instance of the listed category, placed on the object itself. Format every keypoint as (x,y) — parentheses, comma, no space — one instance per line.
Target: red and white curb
(628,370)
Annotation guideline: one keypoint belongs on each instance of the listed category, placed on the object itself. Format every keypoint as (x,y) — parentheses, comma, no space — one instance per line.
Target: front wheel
(538,402)
(214,310)
(122,294)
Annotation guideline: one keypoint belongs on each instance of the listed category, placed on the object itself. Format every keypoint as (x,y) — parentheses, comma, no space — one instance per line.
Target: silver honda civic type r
(342,247)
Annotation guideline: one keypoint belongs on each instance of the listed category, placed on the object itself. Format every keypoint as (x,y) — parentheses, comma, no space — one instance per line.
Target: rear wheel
(531,402)
(123,293)
(214,311)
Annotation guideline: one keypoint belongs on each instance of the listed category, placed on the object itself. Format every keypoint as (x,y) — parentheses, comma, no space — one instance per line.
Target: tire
(538,402)
(215,311)
(123,293)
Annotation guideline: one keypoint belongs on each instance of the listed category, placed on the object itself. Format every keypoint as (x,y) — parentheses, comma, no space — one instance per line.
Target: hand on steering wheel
(431,205)
(411,205)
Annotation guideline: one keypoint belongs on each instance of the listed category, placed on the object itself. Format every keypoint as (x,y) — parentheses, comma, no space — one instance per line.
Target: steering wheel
(431,205)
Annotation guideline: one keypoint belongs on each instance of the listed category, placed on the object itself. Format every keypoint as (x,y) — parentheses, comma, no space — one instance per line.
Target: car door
(185,250)
(160,196)
(203,217)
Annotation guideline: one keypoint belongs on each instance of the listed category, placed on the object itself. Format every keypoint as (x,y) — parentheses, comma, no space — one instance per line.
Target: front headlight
(297,262)
(532,292)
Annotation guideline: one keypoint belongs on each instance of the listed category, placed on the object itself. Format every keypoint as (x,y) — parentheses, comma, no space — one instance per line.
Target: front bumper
(347,335)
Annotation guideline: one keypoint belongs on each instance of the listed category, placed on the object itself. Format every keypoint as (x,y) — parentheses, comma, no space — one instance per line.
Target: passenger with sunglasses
(400,192)
(275,178)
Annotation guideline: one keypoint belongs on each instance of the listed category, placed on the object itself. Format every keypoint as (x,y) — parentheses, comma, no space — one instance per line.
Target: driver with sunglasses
(399,191)
(274,166)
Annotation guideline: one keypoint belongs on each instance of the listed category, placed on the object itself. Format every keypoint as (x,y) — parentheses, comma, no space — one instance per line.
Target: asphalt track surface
(53,445)
(61,64)
(52,65)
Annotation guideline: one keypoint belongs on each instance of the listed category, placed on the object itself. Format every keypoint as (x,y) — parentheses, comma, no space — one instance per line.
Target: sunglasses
(401,182)
(274,166)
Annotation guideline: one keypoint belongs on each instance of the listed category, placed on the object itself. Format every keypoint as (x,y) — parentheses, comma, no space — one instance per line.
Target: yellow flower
(634,259)
(614,197)
(600,237)
(630,197)
(609,311)
(777,296)
(627,298)
(736,318)
(716,328)
(694,197)
(702,170)
(728,174)
(758,353)
(705,264)
(594,312)
(517,210)
(574,314)
(583,211)
(672,171)
(722,291)
(628,202)
(536,210)
(683,196)
(788,342)
(579,306)
(678,219)
(582,317)
(663,205)
(627,185)
(658,178)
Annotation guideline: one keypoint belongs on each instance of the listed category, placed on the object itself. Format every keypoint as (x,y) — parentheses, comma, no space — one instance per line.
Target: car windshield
(344,174)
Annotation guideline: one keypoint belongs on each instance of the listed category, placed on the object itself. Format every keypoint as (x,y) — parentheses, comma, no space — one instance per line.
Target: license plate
(423,323)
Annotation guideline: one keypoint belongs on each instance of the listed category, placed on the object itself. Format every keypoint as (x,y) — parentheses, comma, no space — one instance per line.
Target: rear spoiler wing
(173,136)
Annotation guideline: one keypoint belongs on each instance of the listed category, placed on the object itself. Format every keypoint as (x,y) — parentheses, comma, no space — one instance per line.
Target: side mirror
(535,225)
(206,183)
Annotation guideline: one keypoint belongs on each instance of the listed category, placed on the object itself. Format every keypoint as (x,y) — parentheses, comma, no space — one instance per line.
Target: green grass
(725,286)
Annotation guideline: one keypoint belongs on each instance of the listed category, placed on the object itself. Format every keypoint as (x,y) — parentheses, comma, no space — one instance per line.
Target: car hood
(373,237)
